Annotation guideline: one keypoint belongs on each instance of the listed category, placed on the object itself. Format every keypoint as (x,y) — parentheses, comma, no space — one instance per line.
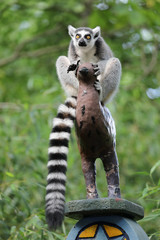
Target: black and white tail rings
(57,163)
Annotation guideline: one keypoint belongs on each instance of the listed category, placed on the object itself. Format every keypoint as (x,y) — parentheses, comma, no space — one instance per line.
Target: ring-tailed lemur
(86,45)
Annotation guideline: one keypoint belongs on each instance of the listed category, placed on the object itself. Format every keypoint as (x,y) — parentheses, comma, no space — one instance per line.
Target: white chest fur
(86,55)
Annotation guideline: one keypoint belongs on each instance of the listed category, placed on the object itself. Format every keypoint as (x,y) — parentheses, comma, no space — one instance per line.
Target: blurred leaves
(33,35)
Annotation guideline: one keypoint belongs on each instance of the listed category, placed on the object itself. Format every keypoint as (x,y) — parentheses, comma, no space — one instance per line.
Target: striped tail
(57,163)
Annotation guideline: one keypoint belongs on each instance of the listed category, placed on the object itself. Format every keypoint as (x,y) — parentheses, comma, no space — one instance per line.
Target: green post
(105,218)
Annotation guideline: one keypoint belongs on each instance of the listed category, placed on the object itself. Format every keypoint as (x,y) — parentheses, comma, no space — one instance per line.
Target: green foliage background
(32,35)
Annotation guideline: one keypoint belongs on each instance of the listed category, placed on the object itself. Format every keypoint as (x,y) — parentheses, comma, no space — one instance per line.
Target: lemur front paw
(73,67)
(98,86)
(96,70)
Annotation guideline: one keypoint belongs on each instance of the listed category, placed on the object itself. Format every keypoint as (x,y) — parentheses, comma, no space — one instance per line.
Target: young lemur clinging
(87,45)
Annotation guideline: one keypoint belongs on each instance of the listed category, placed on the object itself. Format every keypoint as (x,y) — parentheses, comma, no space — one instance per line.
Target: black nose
(82,43)
(84,71)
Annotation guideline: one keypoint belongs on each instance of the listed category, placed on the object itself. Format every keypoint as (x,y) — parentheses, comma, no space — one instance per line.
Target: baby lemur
(87,45)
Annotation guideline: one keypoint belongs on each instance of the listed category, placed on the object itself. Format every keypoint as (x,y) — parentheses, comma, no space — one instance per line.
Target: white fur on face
(89,43)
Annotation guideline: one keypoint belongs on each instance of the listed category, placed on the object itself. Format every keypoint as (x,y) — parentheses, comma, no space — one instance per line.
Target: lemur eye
(77,36)
(88,36)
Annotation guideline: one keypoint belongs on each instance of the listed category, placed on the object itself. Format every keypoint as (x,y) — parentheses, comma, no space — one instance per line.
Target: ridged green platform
(79,209)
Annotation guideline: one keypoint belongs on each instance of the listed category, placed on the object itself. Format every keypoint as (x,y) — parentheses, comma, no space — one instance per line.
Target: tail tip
(54,220)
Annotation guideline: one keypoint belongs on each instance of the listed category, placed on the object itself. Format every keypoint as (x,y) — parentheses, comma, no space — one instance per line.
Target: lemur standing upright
(86,45)
(96,134)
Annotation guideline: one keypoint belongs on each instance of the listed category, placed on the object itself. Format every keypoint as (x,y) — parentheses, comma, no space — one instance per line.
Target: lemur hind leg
(110,163)
(68,80)
(109,78)
(89,171)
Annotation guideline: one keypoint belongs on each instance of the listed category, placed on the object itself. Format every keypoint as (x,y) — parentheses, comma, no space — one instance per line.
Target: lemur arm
(68,80)
(110,74)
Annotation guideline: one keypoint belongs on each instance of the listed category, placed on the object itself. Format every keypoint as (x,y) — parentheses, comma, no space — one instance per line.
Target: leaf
(13,229)
(150,191)
(34,222)
(150,217)
(142,173)
(154,167)
(50,236)
(58,236)
(9,174)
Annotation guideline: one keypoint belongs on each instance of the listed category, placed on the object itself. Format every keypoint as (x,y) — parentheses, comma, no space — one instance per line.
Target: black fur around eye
(78,36)
(88,36)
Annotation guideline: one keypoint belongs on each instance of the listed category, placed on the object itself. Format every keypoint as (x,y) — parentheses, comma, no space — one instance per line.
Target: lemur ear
(96,32)
(71,30)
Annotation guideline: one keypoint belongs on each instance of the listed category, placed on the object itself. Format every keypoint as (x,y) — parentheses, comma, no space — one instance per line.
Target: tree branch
(20,107)
(40,52)
(31,54)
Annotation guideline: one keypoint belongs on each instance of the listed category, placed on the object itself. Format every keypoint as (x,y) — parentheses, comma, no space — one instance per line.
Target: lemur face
(84,38)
